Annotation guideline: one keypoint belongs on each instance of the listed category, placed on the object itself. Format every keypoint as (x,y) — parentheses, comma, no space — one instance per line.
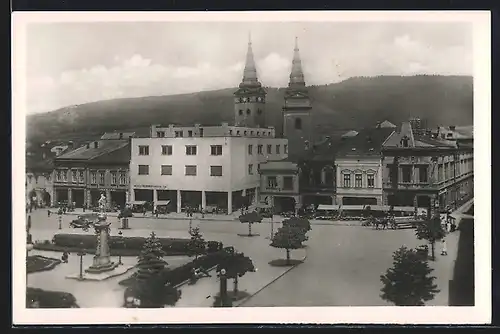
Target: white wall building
(201,166)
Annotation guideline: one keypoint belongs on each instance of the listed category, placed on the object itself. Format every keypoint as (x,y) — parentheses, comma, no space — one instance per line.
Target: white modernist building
(202,166)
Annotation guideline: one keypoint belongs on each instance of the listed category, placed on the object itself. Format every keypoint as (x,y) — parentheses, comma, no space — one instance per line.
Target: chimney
(71,145)
(120,136)
(88,145)
(452,127)
(96,144)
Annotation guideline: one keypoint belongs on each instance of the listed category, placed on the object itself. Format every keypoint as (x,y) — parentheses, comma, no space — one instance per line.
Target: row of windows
(358,180)
(189,170)
(259,112)
(180,133)
(96,177)
(407,172)
(190,150)
(269,149)
(245,133)
(190,133)
(272,182)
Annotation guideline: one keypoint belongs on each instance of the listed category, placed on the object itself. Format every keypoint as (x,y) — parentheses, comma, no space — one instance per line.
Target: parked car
(82,222)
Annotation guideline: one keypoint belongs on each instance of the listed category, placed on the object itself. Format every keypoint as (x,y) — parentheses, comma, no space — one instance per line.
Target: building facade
(39,183)
(279,185)
(426,172)
(358,164)
(100,167)
(202,166)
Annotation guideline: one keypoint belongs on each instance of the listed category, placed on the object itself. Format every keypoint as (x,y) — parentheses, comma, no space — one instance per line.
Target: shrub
(214,246)
(38,298)
(150,261)
(40,263)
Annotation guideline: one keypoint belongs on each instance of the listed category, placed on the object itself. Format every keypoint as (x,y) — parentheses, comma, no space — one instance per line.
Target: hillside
(353,103)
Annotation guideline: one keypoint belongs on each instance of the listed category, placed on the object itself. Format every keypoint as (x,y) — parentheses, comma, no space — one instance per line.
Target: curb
(243,301)
(163,217)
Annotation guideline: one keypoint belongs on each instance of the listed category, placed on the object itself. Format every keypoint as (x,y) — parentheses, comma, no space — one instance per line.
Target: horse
(381,222)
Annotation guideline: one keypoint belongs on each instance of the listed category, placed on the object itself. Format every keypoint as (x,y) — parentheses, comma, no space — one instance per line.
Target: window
(166,149)
(81,178)
(93,177)
(215,170)
(215,149)
(422,174)
(160,134)
(143,150)
(230,132)
(272,182)
(238,132)
(248,111)
(166,169)
(269,149)
(298,123)
(358,181)
(143,169)
(277,149)
(371,180)
(406,171)
(190,170)
(114,177)
(259,149)
(179,134)
(190,133)
(244,133)
(347,180)
(74,176)
(240,112)
(201,132)
(58,175)
(285,149)
(123,178)
(101,177)
(65,175)
(250,149)
(259,111)
(287,183)
(190,149)
(250,169)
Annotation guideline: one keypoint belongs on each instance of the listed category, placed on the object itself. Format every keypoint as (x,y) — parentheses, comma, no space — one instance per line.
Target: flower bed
(38,298)
(39,263)
(183,273)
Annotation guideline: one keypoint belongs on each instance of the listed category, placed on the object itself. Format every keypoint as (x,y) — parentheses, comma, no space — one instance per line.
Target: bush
(87,241)
(38,298)
(40,263)
(214,246)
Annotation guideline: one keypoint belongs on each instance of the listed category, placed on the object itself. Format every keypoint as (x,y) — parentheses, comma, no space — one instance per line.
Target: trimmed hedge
(38,298)
(185,272)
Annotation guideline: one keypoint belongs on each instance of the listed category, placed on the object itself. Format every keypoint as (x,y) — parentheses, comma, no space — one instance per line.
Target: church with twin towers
(207,166)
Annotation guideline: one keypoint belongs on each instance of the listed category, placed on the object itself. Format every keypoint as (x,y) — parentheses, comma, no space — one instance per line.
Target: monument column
(108,197)
(155,199)
(70,196)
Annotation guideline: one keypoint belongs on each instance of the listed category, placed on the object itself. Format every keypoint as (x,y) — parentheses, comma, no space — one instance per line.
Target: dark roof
(36,163)
(118,156)
(368,142)
(116,135)
(103,147)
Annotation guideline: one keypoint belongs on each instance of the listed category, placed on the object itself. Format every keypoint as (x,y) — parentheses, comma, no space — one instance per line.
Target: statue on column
(102,203)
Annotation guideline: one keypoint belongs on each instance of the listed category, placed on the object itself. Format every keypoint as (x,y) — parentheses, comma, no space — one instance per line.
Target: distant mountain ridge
(351,104)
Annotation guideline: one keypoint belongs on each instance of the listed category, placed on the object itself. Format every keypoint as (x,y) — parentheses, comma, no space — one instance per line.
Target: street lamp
(224,301)
(272,222)
(81,254)
(121,243)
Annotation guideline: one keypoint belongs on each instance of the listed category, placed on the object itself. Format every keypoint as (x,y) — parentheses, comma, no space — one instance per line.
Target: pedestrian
(64,257)
(48,213)
(444,250)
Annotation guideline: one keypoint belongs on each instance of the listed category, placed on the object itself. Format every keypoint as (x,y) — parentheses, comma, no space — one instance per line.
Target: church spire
(296,75)
(250,72)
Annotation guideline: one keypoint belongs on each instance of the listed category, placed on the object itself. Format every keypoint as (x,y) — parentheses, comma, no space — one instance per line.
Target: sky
(75,63)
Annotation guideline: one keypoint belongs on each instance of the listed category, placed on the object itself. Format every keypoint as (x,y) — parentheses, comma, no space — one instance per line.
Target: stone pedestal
(102,261)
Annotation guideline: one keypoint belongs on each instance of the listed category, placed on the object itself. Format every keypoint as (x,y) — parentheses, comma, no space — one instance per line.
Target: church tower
(250,98)
(297,118)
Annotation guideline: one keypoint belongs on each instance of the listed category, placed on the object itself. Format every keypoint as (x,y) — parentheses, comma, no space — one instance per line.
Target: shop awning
(352,207)
(404,208)
(162,202)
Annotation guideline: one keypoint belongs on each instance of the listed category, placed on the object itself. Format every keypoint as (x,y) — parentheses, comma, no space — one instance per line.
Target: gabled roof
(119,156)
(103,147)
(387,124)
(397,138)
(278,165)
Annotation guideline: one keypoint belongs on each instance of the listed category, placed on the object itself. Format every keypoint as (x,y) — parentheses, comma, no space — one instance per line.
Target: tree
(250,218)
(153,293)
(236,265)
(196,245)
(432,231)
(289,237)
(151,260)
(408,282)
(298,222)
